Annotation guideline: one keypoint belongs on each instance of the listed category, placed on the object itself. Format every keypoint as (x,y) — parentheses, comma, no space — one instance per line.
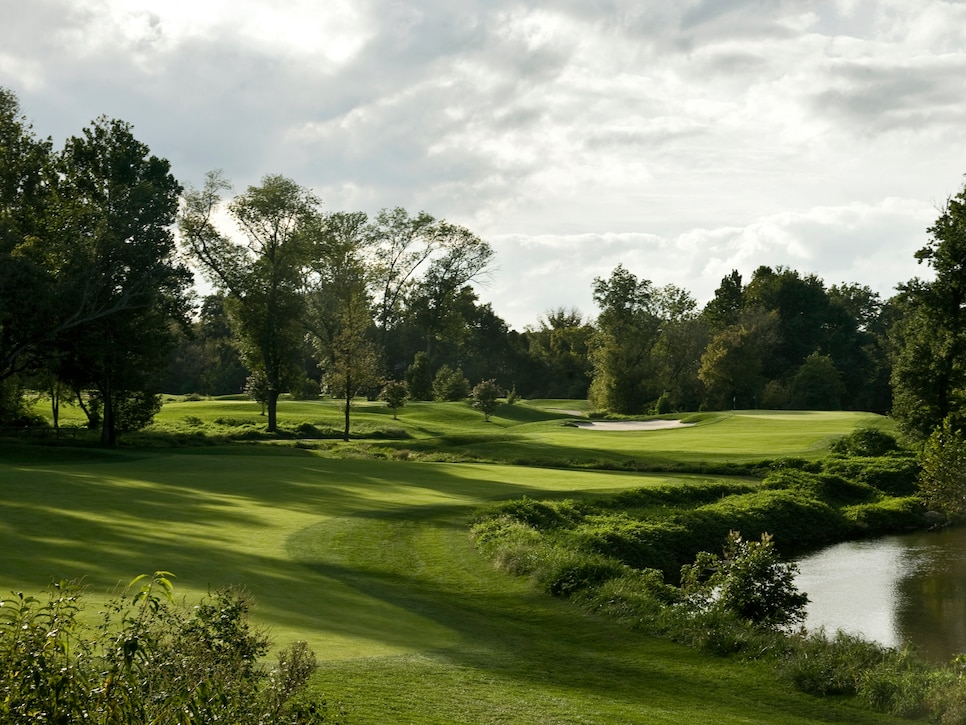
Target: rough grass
(371,562)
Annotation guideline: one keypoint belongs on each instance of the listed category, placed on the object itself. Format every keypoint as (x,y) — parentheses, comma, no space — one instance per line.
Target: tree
(677,351)
(419,378)
(24,195)
(929,369)
(340,311)
(627,329)
(434,300)
(560,346)
(801,308)
(942,482)
(114,205)
(403,244)
(726,306)
(263,275)
(450,384)
(731,364)
(351,363)
(395,393)
(817,385)
(486,396)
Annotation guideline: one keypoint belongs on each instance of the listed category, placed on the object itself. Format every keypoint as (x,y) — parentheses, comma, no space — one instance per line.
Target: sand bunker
(631,424)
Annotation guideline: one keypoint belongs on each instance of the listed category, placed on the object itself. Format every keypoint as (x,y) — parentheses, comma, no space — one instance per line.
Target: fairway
(371,562)
(263,518)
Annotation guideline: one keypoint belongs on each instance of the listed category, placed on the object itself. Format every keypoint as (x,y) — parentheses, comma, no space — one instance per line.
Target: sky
(680,138)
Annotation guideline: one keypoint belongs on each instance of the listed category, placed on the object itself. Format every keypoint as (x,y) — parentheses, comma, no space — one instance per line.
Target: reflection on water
(897,590)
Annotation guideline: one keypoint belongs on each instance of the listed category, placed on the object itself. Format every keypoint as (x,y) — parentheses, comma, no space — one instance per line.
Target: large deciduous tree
(27,302)
(929,370)
(262,273)
(111,245)
(627,330)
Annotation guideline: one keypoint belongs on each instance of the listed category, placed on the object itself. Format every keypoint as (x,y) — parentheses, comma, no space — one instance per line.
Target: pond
(896,590)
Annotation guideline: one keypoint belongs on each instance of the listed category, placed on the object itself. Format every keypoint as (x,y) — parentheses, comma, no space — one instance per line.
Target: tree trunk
(55,406)
(108,428)
(345,434)
(272,404)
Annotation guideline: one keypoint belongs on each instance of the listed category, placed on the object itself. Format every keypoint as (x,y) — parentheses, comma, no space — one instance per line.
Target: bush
(865,442)
(748,580)
(450,385)
(149,660)
(486,396)
(892,475)
(567,571)
(941,483)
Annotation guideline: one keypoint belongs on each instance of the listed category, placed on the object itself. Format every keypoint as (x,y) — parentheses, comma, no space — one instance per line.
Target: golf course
(363,549)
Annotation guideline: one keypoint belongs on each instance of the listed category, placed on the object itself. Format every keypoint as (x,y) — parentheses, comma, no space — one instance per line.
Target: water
(896,590)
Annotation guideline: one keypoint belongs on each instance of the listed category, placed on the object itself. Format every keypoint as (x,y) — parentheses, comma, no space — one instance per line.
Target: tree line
(98,241)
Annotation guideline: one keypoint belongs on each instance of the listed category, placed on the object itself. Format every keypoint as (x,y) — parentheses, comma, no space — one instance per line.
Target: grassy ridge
(370,560)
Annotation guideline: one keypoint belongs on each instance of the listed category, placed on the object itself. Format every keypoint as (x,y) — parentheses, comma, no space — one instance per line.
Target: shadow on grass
(546,645)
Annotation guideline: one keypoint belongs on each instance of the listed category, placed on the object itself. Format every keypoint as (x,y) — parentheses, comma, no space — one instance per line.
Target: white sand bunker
(631,424)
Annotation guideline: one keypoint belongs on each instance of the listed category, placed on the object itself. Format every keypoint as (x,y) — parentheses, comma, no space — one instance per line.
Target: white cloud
(681,138)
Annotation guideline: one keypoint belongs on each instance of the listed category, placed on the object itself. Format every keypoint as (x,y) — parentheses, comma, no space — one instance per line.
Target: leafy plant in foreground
(149,660)
(749,580)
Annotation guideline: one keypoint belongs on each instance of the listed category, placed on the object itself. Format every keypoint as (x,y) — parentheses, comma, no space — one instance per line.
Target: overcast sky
(682,138)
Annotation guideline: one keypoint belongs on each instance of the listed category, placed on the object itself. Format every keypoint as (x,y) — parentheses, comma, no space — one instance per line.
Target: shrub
(825,487)
(882,517)
(822,666)
(749,581)
(450,384)
(149,660)
(486,398)
(540,514)
(865,442)
(567,571)
(941,483)
(892,475)
(663,405)
(395,393)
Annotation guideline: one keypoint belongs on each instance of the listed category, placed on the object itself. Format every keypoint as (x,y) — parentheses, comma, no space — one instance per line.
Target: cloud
(683,139)
(870,244)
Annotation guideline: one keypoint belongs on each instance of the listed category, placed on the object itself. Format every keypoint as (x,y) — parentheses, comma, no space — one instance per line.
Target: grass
(370,560)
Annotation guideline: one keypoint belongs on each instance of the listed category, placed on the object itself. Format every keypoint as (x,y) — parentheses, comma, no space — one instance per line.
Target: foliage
(627,331)
(749,580)
(263,275)
(560,346)
(395,393)
(24,196)
(817,385)
(929,375)
(148,660)
(942,483)
(133,410)
(113,206)
(450,384)
(732,364)
(419,378)
(485,397)
(866,441)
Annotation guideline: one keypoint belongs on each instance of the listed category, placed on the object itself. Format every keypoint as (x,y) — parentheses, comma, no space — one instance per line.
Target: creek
(896,590)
